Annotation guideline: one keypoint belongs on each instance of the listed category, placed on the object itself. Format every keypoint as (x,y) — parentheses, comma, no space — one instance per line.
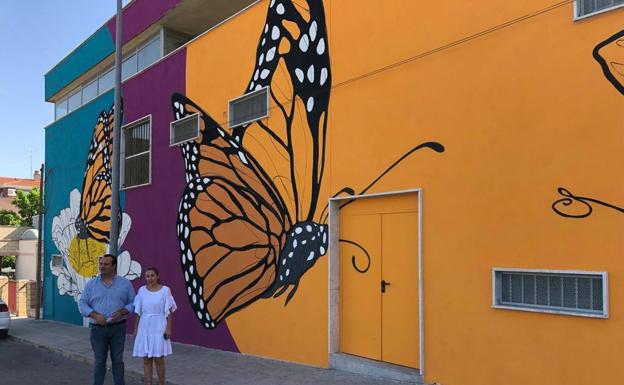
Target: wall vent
(551,291)
(249,107)
(184,129)
(57,260)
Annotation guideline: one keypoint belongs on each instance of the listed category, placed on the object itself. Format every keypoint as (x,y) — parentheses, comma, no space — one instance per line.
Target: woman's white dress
(153,307)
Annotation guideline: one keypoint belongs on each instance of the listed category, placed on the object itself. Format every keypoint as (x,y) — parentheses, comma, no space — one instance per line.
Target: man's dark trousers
(104,339)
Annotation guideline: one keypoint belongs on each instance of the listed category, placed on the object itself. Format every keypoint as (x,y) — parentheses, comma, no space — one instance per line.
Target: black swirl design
(569,199)
(364,270)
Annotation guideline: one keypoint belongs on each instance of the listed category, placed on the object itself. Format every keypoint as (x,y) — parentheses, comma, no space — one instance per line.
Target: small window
(249,107)
(550,291)
(57,260)
(106,81)
(89,92)
(590,7)
(149,53)
(138,60)
(128,67)
(183,130)
(136,148)
(60,108)
(74,101)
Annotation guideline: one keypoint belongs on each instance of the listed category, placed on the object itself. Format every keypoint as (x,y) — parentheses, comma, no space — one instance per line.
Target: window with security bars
(249,107)
(136,148)
(588,7)
(183,130)
(565,292)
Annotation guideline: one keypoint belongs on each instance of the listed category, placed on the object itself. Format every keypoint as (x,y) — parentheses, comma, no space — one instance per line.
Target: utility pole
(115,215)
(39,242)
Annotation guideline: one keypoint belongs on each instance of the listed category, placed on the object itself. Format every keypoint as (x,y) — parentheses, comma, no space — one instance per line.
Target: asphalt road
(22,364)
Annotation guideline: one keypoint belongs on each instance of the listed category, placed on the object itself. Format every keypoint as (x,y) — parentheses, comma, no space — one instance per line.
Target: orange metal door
(360,302)
(400,322)
(380,326)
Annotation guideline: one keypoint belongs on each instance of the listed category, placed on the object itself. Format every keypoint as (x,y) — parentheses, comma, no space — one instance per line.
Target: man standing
(107,299)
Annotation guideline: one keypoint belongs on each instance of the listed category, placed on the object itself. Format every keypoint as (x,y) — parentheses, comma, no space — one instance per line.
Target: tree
(28,205)
(8,262)
(9,218)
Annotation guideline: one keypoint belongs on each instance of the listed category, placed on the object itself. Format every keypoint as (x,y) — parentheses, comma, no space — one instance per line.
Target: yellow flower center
(84,255)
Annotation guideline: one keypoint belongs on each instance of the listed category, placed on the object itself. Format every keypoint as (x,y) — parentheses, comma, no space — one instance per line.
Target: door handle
(383,285)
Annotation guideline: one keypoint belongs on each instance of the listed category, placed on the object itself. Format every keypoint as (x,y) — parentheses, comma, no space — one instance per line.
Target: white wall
(26,265)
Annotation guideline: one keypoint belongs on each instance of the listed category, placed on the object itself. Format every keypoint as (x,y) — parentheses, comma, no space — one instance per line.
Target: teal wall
(67,146)
(88,54)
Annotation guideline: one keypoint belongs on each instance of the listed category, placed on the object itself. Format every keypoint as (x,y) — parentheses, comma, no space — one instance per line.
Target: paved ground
(23,364)
(189,365)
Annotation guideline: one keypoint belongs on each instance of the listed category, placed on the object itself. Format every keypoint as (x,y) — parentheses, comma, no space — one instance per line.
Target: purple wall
(153,239)
(139,15)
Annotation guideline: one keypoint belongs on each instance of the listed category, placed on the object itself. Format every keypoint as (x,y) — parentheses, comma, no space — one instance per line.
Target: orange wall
(521,112)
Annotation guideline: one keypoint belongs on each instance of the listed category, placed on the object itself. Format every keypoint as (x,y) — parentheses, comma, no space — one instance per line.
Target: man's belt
(111,324)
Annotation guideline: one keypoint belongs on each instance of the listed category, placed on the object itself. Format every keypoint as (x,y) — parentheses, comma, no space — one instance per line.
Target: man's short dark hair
(111,256)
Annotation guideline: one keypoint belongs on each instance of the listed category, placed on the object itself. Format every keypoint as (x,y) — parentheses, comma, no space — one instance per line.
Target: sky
(35,35)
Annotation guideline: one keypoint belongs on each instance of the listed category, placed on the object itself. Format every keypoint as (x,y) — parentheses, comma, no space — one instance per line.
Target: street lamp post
(39,242)
(115,215)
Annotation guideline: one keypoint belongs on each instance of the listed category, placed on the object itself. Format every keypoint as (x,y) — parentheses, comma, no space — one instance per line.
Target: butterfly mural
(95,203)
(249,222)
(81,231)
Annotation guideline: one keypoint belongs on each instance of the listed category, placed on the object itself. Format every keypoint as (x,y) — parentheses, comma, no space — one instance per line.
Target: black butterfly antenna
(435,146)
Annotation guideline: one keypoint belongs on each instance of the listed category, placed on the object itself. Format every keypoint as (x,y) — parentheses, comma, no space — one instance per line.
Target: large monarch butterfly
(95,203)
(248,222)
(233,224)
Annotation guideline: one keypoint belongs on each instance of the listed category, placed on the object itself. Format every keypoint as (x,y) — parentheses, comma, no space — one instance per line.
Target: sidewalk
(189,365)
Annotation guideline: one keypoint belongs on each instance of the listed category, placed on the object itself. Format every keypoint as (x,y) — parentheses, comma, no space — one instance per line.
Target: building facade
(10,186)
(425,185)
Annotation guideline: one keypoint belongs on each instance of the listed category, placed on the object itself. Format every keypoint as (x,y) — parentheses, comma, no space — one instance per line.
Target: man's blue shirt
(106,299)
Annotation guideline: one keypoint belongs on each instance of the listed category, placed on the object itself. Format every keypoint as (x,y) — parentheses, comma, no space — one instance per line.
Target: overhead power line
(454,43)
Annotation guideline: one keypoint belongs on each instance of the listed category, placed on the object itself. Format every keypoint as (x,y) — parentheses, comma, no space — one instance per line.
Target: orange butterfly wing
(231,222)
(292,59)
(95,203)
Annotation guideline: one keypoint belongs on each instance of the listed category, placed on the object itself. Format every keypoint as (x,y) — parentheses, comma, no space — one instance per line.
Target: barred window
(136,150)
(569,292)
(589,7)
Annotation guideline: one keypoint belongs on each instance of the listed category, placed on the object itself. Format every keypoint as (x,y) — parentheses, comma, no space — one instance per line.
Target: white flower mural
(80,256)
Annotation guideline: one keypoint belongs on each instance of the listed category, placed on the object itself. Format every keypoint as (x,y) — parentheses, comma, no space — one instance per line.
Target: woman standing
(154,306)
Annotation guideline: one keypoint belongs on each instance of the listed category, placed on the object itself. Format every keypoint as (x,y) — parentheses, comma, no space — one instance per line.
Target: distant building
(9,187)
